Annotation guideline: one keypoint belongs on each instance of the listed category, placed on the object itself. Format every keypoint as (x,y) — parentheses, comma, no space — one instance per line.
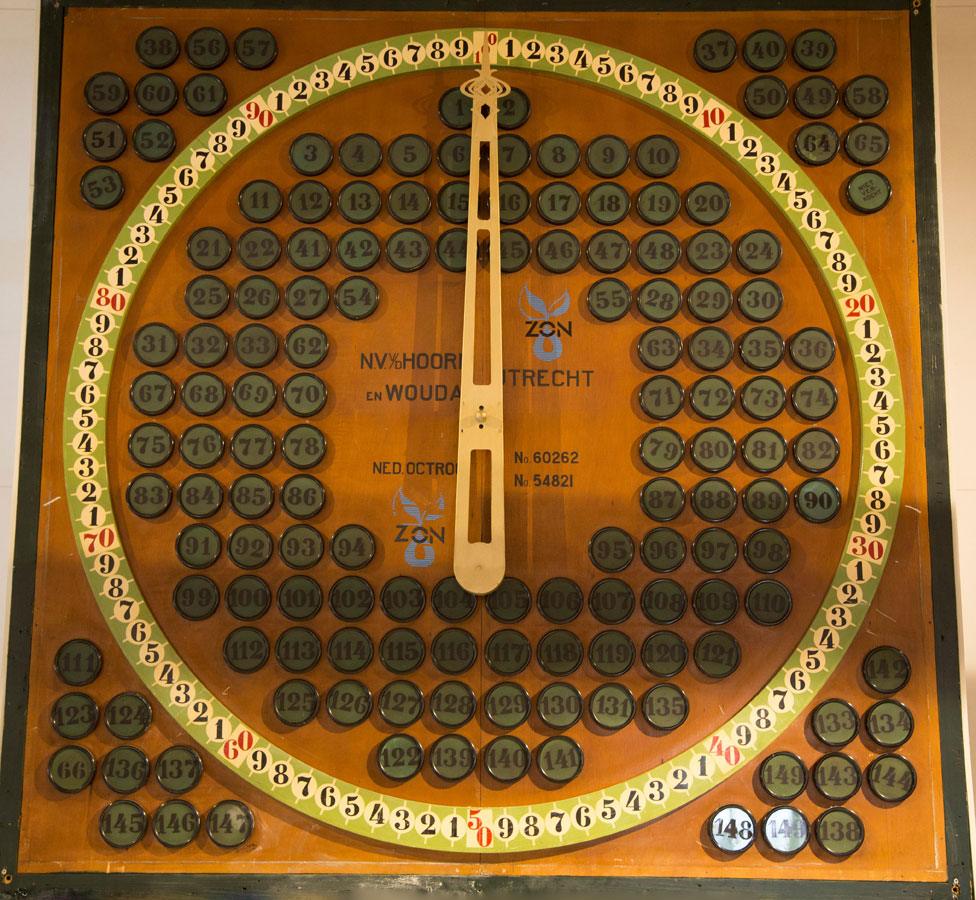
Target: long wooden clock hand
(479,534)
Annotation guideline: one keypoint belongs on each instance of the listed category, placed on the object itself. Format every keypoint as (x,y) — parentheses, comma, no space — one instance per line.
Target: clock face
(513,408)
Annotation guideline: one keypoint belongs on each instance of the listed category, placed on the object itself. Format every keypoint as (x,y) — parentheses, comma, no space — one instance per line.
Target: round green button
(665,707)
(122,824)
(74,715)
(612,706)
(507,705)
(400,757)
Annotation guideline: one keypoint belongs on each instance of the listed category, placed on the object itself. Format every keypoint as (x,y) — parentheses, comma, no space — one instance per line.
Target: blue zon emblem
(540,317)
(413,528)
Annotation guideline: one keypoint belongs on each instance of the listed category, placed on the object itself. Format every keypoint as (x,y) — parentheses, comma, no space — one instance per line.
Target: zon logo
(542,325)
(415,529)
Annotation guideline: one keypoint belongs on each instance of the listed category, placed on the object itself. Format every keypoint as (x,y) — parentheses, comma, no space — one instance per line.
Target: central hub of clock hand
(479,525)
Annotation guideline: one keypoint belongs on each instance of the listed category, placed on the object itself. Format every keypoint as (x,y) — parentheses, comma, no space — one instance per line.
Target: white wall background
(955,27)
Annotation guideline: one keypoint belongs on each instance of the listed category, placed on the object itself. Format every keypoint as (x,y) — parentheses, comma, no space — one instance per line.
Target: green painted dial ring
(316,793)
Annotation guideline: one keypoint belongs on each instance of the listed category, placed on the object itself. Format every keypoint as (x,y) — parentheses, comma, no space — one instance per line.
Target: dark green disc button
(178,769)
(659,347)
(612,706)
(608,203)
(866,144)
(455,107)
(886,670)
(715,50)
(349,702)
(764,450)
(201,446)
(203,394)
(889,723)
(360,154)
(454,154)
(664,601)
(611,601)
(454,651)
(122,824)
(558,202)
(559,705)
(663,549)
(258,248)
(837,777)
(353,547)
(608,251)
(506,758)
(403,598)
(246,650)
(452,703)
(408,250)
(106,93)
(664,654)
(607,156)
(74,715)
(128,715)
(714,499)
(309,201)
(709,299)
(230,823)
(608,299)
(453,757)
(657,156)
(302,496)
(767,550)
(834,723)
(513,109)
(658,251)
(301,546)
(510,601)
(868,191)
(150,444)
(149,496)
(451,602)
(783,775)
(816,450)
(198,546)
(508,652)
(400,703)
(205,345)
(255,48)
(155,344)
(358,250)
(559,759)
(103,140)
(350,650)
(560,600)
(785,830)
(208,248)
(254,394)
(759,251)
(307,249)
(356,297)
(514,202)
(558,155)
(303,446)
(300,597)
(815,97)
(260,200)
(611,550)
(710,348)
(408,202)
(814,49)
(764,50)
(249,546)
(156,94)
(306,346)
(206,48)
(248,597)
(304,395)
(558,251)
(661,397)
(763,397)
(206,296)
(350,599)
(611,653)
(708,251)
(812,349)
(507,705)
(817,500)
(125,769)
(196,597)
(298,649)
(760,299)
(766,97)
(252,446)
(768,602)
(707,203)
(866,96)
(665,707)
(204,95)
(402,650)
(310,154)
(816,144)
(559,652)
(839,831)
(717,654)
(658,203)
(715,550)
(157,47)
(659,300)
(814,398)
(71,769)
(400,757)
(713,449)
(765,500)
(153,140)
(761,348)
(451,249)
(715,601)
(176,823)
(712,397)
(409,155)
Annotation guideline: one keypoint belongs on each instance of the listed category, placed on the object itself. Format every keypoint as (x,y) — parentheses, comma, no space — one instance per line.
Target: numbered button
(106,93)
(732,829)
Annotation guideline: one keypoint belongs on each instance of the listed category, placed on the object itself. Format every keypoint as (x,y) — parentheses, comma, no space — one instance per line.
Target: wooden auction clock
(484,442)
